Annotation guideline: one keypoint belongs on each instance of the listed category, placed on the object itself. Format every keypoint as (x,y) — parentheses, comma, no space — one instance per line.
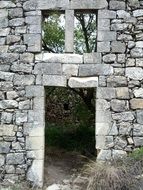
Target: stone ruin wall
(115,70)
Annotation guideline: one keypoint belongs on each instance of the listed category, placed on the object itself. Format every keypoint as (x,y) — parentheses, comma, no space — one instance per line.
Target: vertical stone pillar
(69,31)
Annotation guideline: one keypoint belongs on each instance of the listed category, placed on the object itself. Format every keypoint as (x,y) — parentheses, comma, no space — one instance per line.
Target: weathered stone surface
(109,58)
(16,12)
(119,27)
(9,57)
(34,91)
(8,130)
(118,47)
(95,70)
(15,158)
(4,104)
(106,93)
(48,68)
(103,116)
(106,36)
(2,160)
(120,143)
(116,81)
(122,93)
(124,116)
(135,73)
(30,5)
(59,58)
(4,147)
(102,104)
(12,95)
(123,14)
(33,20)
(27,58)
(13,39)
(6,86)
(118,105)
(139,116)
(21,67)
(125,128)
(104,155)
(21,118)
(10,169)
(24,105)
(139,62)
(54,80)
(84,82)
(137,52)
(119,153)
(6,4)
(138,93)
(138,141)
(70,70)
(103,47)
(33,41)
(106,14)
(94,58)
(4,32)
(16,22)
(7,76)
(105,129)
(138,13)
(138,130)
(136,103)
(23,80)
(104,24)
(34,143)
(117,5)
(6,117)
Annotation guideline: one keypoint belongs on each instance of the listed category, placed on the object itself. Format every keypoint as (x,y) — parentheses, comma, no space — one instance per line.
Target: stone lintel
(86,82)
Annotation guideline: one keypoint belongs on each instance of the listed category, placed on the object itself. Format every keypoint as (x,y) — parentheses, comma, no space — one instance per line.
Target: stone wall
(116,70)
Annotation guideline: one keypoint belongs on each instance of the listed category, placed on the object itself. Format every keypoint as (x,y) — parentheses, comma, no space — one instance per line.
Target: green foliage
(137,154)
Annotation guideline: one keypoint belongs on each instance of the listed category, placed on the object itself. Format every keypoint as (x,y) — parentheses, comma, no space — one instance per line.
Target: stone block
(39,103)
(33,20)
(106,36)
(30,5)
(5,86)
(10,169)
(102,81)
(35,143)
(34,29)
(95,70)
(103,47)
(9,57)
(52,5)
(7,76)
(21,30)
(104,24)
(130,62)
(138,13)
(102,104)
(4,147)
(122,93)
(139,116)
(84,82)
(138,130)
(104,142)
(35,173)
(34,130)
(48,68)
(33,41)
(34,91)
(6,117)
(16,12)
(137,52)
(70,70)
(6,4)
(117,5)
(54,80)
(120,143)
(138,141)
(15,158)
(12,39)
(104,155)
(21,67)
(124,116)
(119,26)
(136,103)
(135,73)
(94,58)
(106,14)
(119,154)
(27,58)
(118,47)
(21,118)
(2,160)
(125,128)
(11,95)
(123,14)
(16,146)
(59,58)
(2,41)
(3,22)
(118,105)
(117,81)
(23,80)
(16,22)
(109,58)
(106,129)
(3,13)
(106,93)
(8,104)
(24,105)
(103,116)
(36,154)
(139,62)
(138,93)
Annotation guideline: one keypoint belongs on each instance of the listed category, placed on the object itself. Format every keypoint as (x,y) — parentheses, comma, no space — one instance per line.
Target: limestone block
(103,116)
(54,80)
(102,104)
(33,41)
(34,91)
(134,3)
(70,70)
(59,58)
(104,155)
(123,14)
(4,147)
(106,93)
(138,141)
(102,81)
(120,143)
(117,5)
(138,93)
(6,86)
(11,95)
(139,116)
(37,116)
(4,49)
(135,73)
(94,58)
(21,30)
(2,160)
(54,4)
(33,20)
(48,68)
(118,105)
(9,57)
(124,116)
(6,117)
(84,82)
(91,4)
(136,103)
(137,52)
(106,36)
(130,62)
(138,13)
(39,103)
(3,13)
(124,37)
(24,105)
(35,173)
(2,41)
(117,81)
(35,143)
(122,93)
(16,12)
(13,39)
(34,29)
(119,153)
(106,129)
(118,47)
(95,70)
(139,62)
(10,169)
(21,67)
(125,128)
(16,22)
(21,118)
(34,130)
(104,142)
(7,76)
(103,47)
(30,5)
(15,158)
(139,44)
(8,104)
(36,154)
(106,14)
(23,80)
(109,58)
(6,4)
(119,26)
(104,24)
(138,130)
(3,22)
(27,58)
(16,146)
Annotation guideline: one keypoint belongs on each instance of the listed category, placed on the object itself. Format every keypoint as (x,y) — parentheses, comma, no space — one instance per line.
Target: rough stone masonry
(116,70)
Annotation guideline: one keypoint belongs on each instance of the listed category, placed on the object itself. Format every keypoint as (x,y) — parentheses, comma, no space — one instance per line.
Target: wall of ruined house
(115,70)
